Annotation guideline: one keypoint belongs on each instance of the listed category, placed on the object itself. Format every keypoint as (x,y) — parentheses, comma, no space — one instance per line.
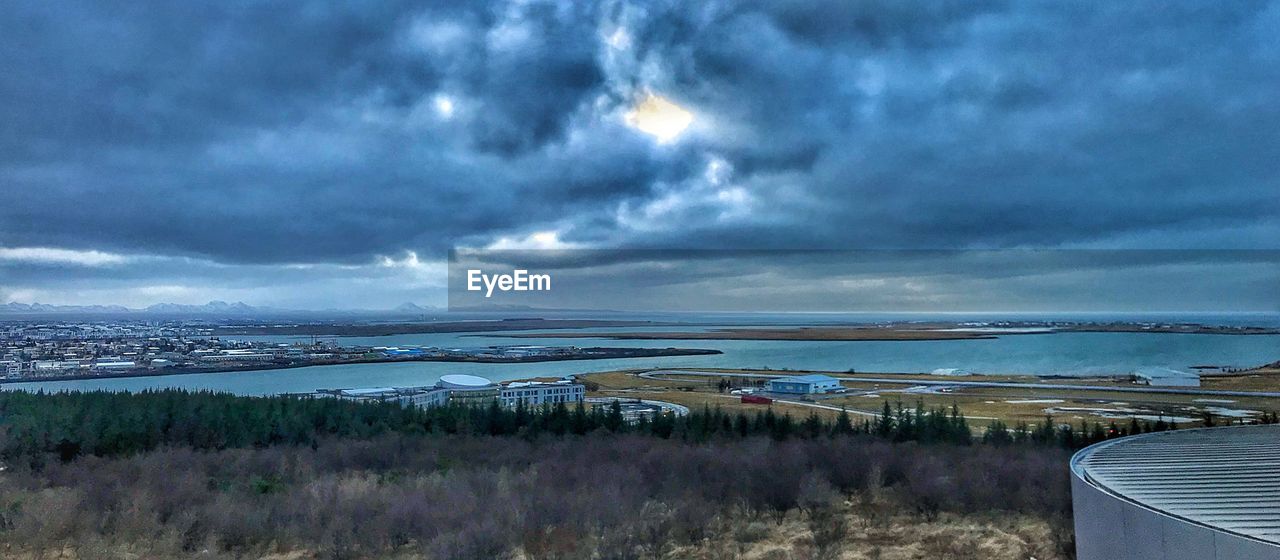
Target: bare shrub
(596,496)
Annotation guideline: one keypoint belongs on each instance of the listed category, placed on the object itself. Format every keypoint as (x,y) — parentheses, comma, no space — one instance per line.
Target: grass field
(980,404)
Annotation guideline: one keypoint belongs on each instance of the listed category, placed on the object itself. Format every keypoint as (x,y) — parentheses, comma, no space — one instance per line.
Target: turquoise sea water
(1041,354)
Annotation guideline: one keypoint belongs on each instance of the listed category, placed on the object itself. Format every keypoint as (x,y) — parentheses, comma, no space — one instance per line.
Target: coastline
(601,354)
(895,333)
(339,329)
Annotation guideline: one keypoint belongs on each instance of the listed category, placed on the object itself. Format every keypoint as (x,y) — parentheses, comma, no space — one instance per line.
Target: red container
(754,399)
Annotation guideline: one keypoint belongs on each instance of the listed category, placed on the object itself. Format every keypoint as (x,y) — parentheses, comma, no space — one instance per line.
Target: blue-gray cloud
(250,136)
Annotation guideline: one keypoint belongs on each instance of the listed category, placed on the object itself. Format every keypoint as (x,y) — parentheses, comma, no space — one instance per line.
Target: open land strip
(799,333)
(981,399)
(387,329)
(906,331)
(595,353)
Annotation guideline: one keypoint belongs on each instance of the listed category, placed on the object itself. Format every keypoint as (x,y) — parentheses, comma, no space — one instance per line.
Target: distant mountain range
(410,307)
(215,308)
(45,308)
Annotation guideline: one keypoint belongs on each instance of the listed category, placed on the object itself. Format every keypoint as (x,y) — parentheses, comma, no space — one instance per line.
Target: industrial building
(1202,494)
(1166,377)
(113,365)
(535,393)
(406,396)
(469,389)
(804,384)
(634,410)
(237,356)
(466,389)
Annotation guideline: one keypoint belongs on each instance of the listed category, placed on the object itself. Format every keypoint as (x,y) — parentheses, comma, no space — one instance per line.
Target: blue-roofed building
(804,384)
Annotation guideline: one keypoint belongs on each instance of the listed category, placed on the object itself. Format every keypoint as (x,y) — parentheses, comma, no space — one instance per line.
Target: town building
(237,356)
(536,393)
(467,389)
(405,396)
(459,389)
(113,365)
(804,384)
(635,410)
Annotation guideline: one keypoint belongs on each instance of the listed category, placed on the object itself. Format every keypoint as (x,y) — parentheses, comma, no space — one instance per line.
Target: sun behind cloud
(658,117)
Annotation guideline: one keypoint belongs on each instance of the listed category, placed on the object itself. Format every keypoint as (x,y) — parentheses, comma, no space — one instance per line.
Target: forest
(35,426)
(177,474)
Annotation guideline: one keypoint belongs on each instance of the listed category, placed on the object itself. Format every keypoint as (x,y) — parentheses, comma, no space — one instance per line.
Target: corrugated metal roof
(1226,478)
(1158,372)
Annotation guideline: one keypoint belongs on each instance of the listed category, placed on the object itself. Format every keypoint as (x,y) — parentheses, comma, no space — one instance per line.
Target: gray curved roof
(463,381)
(1225,478)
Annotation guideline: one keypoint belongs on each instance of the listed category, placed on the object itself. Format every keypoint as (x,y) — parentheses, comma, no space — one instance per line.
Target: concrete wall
(1109,527)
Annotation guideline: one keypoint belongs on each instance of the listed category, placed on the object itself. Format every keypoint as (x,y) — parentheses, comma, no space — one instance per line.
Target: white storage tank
(1203,494)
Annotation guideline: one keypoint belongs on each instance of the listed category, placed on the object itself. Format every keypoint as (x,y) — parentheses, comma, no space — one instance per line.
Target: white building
(1204,494)
(113,365)
(1165,377)
(51,367)
(238,357)
(406,396)
(468,390)
(535,393)
(804,384)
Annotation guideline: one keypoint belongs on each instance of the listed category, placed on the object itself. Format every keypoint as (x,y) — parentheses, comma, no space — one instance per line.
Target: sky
(311,155)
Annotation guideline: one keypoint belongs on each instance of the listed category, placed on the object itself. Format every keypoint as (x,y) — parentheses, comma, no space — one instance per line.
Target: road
(853,411)
(809,404)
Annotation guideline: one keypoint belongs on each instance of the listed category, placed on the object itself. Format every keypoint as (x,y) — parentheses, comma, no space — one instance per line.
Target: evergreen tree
(843,426)
(884,424)
(997,434)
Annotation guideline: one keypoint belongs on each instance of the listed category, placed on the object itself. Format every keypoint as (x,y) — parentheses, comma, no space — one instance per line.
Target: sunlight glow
(541,240)
(53,255)
(619,39)
(660,118)
(444,105)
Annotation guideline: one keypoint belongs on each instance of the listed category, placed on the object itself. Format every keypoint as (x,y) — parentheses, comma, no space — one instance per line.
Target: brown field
(695,400)
(867,535)
(862,536)
(1262,379)
(980,404)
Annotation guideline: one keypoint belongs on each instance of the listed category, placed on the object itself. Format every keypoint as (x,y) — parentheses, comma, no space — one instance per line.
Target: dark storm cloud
(1028,124)
(187,130)
(829,281)
(257,135)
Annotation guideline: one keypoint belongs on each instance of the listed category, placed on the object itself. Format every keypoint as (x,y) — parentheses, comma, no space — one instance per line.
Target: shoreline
(883,334)
(804,334)
(604,354)
(931,330)
(393,329)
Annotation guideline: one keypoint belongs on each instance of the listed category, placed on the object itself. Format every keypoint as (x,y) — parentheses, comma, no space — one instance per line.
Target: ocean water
(1073,354)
